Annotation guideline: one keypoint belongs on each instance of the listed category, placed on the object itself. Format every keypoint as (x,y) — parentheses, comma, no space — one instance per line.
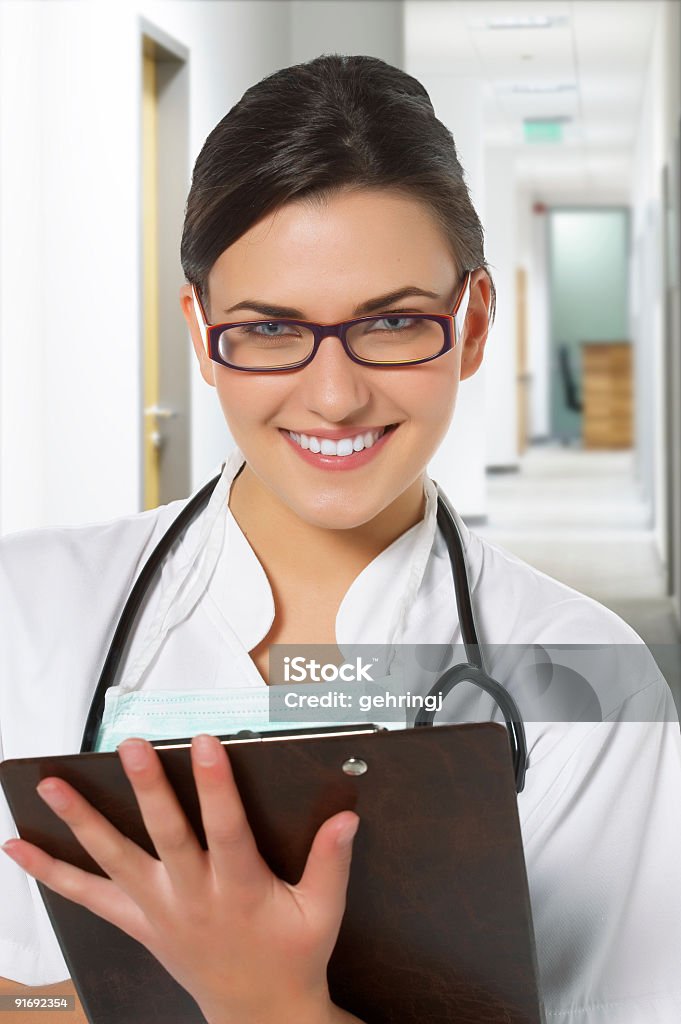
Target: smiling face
(322,262)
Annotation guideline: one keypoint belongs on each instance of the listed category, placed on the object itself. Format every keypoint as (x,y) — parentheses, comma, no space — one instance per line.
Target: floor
(580,517)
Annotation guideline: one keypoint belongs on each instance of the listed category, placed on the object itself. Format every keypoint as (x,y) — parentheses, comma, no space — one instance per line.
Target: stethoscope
(473,670)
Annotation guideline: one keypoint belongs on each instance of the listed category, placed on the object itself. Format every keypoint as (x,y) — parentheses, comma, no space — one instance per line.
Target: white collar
(216,560)
(374,607)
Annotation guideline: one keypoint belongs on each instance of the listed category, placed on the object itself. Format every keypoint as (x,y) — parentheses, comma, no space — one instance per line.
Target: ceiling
(586,61)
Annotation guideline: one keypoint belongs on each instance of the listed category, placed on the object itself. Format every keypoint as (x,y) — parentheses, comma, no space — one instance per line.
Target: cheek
(246,399)
(427,393)
(433,399)
(230,395)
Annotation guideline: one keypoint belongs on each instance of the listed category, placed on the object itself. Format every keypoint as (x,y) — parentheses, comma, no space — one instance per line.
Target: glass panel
(392,339)
(265,344)
(588,293)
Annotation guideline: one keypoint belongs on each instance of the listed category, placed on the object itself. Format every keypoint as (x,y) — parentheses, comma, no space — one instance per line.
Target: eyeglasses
(388,339)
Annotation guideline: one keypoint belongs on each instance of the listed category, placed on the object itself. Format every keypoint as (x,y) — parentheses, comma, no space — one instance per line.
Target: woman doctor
(329,192)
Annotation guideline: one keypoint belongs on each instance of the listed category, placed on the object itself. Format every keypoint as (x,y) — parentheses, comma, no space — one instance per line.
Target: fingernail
(53,796)
(205,750)
(9,848)
(346,834)
(134,754)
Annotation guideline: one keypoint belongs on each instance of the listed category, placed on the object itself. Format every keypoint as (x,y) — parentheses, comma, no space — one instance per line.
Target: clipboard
(438,925)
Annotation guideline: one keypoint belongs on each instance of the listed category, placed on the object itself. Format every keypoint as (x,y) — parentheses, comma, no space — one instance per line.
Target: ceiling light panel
(491,10)
(521,21)
(502,52)
(529,88)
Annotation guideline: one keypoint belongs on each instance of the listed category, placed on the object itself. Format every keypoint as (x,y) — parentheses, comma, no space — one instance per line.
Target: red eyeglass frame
(452,324)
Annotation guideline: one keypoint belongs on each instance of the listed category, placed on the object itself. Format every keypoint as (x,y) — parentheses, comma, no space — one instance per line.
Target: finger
(165,821)
(323,886)
(127,864)
(235,856)
(99,895)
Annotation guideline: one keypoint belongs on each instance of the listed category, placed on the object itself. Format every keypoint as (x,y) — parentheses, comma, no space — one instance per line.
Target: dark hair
(314,129)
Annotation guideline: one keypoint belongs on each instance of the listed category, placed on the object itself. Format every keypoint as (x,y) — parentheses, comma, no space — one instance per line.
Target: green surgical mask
(176,714)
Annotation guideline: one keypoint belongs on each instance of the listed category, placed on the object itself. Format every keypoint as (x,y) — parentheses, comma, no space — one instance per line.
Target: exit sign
(543,131)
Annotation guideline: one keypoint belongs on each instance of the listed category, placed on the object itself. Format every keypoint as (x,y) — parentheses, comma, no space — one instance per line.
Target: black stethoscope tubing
(471,671)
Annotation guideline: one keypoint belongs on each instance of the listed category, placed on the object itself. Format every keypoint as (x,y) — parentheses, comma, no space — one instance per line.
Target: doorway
(588,295)
(166,362)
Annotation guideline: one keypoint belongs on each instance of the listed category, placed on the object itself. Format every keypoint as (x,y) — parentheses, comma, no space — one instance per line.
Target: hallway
(579,517)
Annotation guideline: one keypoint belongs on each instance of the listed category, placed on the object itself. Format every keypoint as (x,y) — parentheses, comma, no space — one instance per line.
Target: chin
(334,516)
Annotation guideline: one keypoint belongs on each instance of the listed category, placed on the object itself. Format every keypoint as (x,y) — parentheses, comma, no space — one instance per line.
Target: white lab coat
(601,809)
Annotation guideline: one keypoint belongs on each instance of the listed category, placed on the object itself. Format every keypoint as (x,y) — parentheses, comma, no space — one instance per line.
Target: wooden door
(150,262)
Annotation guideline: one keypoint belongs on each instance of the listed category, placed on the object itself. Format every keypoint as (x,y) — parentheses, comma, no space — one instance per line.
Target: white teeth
(344,446)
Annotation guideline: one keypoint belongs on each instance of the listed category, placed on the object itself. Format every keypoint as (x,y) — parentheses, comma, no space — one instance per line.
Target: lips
(349,452)
(342,446)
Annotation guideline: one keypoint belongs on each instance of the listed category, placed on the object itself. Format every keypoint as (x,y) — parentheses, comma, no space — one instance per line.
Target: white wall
(670,86)
(21,202)
(68,204)
(502,250)
(658,126)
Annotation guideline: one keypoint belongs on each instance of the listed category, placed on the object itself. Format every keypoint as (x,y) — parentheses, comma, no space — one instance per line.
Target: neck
(313,551)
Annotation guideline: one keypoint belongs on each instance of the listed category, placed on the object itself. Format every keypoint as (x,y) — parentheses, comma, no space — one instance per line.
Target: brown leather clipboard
(437,926)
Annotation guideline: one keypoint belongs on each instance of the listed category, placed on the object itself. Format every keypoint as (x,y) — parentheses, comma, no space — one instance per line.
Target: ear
(476,326)
(205,362)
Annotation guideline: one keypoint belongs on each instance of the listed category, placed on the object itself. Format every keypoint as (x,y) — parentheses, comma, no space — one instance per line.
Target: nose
(333,385)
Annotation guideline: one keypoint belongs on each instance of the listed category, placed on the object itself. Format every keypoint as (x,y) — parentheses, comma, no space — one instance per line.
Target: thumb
(324,883)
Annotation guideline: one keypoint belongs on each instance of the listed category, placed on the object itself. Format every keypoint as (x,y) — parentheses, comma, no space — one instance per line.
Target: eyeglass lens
(276,343)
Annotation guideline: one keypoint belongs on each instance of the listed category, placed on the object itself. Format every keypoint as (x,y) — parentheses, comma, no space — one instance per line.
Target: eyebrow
(380,303)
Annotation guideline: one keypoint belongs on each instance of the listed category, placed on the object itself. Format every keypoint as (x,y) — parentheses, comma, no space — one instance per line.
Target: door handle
(161,412)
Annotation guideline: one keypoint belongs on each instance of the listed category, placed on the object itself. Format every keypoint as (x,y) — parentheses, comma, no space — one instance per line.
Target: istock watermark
(303,670)
(596,682)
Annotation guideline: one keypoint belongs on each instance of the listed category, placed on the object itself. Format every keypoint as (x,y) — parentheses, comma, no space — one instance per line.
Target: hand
(246,945)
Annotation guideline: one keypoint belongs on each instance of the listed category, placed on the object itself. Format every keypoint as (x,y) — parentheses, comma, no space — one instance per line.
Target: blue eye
(393,323)
(267,324)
